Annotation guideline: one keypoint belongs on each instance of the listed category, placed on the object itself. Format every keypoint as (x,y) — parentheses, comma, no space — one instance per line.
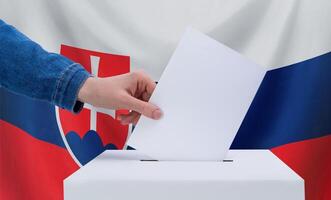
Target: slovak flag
(42,144)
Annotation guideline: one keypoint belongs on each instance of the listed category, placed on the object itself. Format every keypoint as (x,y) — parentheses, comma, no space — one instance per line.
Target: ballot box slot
(226,160)
(148,160)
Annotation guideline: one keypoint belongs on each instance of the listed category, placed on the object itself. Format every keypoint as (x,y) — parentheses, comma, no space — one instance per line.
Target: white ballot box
(246,174)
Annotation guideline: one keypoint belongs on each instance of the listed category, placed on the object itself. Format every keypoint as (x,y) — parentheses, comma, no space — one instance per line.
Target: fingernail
(157,114)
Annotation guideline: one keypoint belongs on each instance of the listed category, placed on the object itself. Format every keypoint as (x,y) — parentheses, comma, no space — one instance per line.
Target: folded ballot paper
(204,93)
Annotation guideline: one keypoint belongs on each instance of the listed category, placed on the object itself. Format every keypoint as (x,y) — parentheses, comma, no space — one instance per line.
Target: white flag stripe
(100,110)
(94,69)
(271,33)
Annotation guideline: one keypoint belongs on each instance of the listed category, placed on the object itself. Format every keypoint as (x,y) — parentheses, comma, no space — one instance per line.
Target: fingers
(137,101)
(146,81)
(145,108)
(132,117)
(146,96)
(150,86)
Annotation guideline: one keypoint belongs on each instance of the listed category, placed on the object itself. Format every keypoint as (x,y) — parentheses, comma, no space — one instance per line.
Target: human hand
(129,91)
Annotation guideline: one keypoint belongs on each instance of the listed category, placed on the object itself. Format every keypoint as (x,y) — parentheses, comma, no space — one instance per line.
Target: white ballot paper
(204,93)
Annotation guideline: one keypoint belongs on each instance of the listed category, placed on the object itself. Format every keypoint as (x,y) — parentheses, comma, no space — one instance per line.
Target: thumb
(145,108)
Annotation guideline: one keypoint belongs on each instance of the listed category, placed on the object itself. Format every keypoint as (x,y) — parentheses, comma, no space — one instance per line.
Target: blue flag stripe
(292,104)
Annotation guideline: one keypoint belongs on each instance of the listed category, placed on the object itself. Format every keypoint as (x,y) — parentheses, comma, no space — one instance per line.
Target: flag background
(291,114)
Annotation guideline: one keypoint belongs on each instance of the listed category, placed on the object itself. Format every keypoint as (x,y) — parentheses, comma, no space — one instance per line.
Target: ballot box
(245,174)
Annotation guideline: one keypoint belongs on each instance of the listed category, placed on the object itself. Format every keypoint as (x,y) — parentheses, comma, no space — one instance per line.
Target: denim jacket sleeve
(26,68)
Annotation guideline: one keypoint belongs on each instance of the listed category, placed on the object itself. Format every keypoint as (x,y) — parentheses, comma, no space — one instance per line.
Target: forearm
(28,69)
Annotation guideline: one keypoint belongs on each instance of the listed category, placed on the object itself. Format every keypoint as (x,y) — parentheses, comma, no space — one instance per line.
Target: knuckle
(135,75)
(139,73)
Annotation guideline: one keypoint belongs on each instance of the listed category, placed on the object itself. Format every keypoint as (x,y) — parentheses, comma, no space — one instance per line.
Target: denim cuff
(68,86)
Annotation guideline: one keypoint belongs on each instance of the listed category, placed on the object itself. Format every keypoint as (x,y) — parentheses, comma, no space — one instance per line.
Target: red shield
(102,121)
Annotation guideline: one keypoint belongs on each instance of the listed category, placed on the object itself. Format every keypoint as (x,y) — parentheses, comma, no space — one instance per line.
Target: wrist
(86,91)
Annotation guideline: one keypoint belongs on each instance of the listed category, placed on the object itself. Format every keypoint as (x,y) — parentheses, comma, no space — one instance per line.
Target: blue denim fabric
(26,68)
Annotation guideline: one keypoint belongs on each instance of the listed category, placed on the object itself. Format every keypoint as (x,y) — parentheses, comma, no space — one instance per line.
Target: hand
(129,91)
